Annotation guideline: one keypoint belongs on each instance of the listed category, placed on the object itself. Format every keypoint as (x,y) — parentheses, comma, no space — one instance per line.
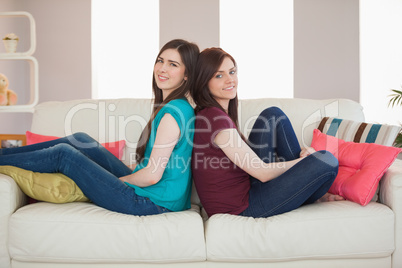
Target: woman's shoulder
(213,120)
(180,104)
(180,109)
(211,111)
(215,117)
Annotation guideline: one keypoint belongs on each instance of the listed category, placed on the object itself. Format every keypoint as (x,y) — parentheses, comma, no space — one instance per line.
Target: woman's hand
(307,151)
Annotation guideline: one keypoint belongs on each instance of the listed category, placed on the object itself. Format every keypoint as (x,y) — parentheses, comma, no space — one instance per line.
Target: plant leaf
(396,98)
(398,141)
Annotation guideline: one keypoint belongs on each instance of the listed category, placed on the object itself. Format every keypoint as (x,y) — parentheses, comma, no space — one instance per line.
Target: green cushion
(49,187)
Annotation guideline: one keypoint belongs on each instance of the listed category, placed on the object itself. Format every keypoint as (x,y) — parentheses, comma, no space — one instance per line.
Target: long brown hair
(189,53)
(208,64)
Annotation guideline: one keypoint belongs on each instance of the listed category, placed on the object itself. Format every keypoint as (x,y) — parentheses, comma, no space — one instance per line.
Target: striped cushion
(359,132)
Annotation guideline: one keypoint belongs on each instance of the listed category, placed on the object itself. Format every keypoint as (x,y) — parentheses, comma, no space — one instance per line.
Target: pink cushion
(116,148)
(361,166)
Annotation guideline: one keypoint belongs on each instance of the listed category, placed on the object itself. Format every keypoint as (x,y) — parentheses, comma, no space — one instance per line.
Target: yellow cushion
(49,187)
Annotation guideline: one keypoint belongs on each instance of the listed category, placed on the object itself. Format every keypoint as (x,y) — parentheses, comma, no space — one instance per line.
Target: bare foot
(330,197)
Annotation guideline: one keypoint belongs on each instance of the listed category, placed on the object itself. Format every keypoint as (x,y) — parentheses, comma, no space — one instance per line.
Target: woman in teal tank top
(161,180)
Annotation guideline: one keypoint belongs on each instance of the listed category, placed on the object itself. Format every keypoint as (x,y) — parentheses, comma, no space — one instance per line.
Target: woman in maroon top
(266,175)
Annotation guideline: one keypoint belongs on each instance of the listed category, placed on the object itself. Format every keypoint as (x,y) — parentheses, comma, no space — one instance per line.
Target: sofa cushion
(116,147)
(49,187)
(349,130)
(329,230)
(361,165)
(86,233)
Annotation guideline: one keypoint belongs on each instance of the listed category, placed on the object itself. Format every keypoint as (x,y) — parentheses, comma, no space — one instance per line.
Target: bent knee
(63,147)
(64,151)
(272,111)
(328,159)
(82,137)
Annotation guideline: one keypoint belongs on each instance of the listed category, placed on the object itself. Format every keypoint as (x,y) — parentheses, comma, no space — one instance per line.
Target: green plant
(398,140)
(396,99)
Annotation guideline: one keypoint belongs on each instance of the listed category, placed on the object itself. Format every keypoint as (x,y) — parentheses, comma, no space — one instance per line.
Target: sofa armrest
(11,196)
(11,199)
(391,195)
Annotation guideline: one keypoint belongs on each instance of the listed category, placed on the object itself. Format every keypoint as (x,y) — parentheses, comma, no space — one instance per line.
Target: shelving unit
(33,63)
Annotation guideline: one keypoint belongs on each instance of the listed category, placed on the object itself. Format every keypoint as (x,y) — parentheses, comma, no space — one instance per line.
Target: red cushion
(361,165)
(116,147)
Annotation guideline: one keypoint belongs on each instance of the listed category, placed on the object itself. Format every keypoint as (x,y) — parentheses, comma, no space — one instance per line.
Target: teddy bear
(7,96)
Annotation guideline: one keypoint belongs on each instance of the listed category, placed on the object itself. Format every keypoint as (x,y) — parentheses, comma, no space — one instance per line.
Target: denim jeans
(273,139)
(94,169)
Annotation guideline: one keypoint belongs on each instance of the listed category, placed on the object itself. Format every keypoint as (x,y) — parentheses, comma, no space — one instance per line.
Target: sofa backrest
(118,119)
(305,114)
(104,120)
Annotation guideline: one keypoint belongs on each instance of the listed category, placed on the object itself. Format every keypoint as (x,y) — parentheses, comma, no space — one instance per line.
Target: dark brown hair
(209,62)
(189,53)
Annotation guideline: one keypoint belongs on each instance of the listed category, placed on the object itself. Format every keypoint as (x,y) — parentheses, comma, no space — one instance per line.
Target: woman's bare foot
(330,197)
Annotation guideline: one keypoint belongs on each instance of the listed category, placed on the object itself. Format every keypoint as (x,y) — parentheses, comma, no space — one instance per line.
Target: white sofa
(335,234)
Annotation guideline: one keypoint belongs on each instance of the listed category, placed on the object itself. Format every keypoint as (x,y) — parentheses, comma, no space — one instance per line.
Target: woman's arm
(245,158)
(132,166)
(306,151)
(167,135)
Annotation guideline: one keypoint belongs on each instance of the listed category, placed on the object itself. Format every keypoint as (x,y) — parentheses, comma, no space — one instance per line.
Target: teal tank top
(173,191)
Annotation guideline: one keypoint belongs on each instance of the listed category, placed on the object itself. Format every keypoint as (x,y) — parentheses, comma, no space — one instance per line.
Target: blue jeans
(273,139)
(94,169)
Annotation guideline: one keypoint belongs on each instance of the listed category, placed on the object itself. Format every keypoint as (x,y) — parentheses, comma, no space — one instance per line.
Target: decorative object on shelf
(7,96)
(12,140)
(10,42)
(29,90)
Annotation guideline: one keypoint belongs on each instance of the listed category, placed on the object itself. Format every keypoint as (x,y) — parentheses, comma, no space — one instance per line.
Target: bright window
(125,42)
(259,35)
(380,58)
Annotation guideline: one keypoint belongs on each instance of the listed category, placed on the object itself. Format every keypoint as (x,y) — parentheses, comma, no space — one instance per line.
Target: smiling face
(169,71)
(223,85)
